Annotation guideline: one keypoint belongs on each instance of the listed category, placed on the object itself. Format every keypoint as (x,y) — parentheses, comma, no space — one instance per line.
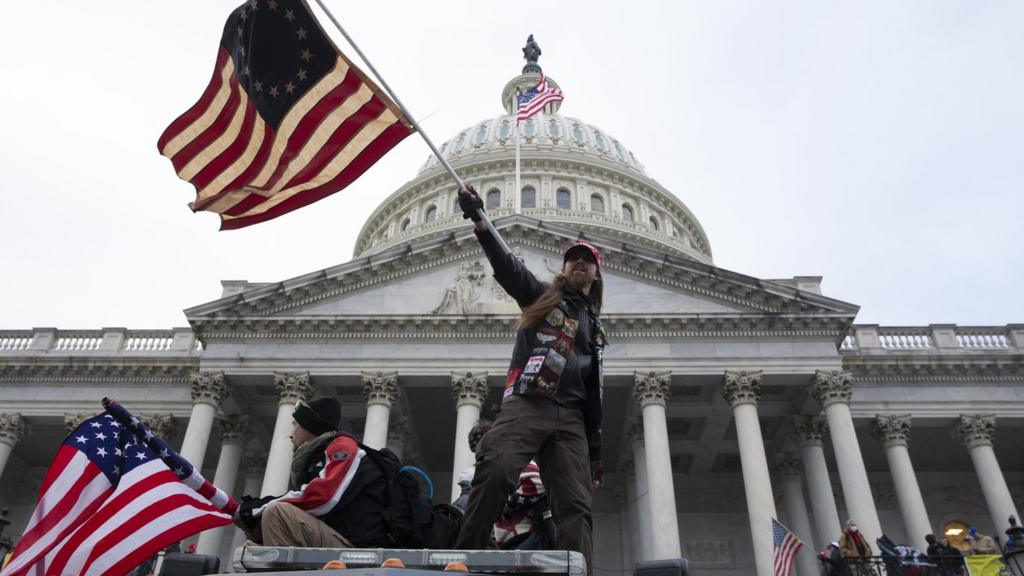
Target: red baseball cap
(584,245)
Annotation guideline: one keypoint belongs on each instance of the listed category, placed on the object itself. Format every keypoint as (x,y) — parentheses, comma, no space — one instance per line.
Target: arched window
(405,225)
(554,128)
(529,127)
(505,130)
(563,199)
(459,142)
(577,133)
(493,198)
(529,197)
(481,135)
(599,140)
(654,223)
(431,214)
(627,212)
(596,203)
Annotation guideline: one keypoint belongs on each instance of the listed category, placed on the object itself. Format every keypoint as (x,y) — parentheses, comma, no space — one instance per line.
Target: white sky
(877,144)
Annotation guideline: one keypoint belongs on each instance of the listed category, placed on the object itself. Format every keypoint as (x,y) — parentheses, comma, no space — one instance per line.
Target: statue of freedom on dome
(531,52)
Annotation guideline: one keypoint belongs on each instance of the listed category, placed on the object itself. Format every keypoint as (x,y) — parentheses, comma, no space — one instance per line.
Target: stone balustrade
(108,341)
(874,339)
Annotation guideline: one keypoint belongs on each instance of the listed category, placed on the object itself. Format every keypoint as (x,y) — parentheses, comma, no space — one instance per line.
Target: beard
(579,279)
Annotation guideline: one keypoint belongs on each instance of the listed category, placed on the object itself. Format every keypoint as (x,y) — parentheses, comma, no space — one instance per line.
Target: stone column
(810,434)
(469,391)
(234,433)
(741,390)
(832,388)
(381,391)
(642,507)
(788,468)
(652,393)
(894,432)
(12,430)
(976,432)
(290,387)
(208,391)
(254,466)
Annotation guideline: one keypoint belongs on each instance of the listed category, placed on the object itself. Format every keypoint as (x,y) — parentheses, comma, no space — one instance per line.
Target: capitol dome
(572,173)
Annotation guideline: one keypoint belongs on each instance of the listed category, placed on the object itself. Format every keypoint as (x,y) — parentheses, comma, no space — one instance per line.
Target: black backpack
(412,520)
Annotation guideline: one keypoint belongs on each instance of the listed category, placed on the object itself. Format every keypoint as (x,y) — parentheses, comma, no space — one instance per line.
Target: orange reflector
(456,567)
(393,563)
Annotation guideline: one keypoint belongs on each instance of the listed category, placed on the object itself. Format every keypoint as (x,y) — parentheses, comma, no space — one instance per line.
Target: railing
(180,341)
(895,566)
(945,337)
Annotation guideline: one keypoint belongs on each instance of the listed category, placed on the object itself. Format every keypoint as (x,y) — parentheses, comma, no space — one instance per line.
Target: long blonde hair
(533,313)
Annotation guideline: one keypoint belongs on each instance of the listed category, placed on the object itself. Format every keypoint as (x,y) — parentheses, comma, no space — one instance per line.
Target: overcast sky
(876,144)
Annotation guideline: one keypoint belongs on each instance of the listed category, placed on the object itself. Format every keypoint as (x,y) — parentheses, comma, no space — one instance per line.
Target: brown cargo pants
(529,427)
(287,525)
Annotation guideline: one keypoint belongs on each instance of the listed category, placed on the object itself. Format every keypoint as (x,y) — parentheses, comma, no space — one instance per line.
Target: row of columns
(651,467)
(652,488)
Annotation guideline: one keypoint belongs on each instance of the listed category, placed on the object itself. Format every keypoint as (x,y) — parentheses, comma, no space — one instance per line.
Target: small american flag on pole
(785,545)
(285,121)
(533,100)
(115,495)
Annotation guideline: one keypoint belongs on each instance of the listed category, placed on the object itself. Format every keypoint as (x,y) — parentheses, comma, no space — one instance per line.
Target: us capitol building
(729,399)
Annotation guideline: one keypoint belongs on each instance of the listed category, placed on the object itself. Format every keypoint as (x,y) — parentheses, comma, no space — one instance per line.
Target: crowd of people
(853,555)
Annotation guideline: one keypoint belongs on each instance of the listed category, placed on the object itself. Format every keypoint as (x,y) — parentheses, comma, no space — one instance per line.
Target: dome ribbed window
(627,212)
(596,203)
(431,214)
(563,199)
(494,198)
(529,196)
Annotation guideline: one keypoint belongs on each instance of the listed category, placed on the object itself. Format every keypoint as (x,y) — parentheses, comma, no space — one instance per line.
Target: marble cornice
(936,368)
(404,260)
(500,327)
(100,373)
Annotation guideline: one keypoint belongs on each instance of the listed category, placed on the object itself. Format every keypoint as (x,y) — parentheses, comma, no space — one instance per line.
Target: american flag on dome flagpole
(114,495)
(785,545)
(285,121)
(528,104)
(535,99)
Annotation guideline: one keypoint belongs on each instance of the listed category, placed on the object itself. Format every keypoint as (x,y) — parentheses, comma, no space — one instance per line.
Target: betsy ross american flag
(286,120)
(785,545)
(533,100)
(110,500)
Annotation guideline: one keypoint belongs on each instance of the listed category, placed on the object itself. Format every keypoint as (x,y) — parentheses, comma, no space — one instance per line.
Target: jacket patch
(555,317)
(554,362)
(340,456)
(545,338)
(563,345)
(570,328)
(533,365)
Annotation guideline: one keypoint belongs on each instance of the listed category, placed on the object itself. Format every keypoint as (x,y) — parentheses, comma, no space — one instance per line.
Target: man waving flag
(286,119)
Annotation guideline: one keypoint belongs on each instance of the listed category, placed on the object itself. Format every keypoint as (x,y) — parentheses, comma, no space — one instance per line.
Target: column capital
(810,430)
(162,424)
(13,428)
(832,386)
(208,388)
(741,387)
(74,420)
(892,430)
(975,429)
(292,387)
(469,388)
(788,464)
(380,387)
(234,429)
(652,388)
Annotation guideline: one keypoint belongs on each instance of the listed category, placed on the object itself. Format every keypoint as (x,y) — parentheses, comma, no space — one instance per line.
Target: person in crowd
(833,562)
(981,543)
(332,502)
(552,405)
(947,558)
(855,548)
(466,476)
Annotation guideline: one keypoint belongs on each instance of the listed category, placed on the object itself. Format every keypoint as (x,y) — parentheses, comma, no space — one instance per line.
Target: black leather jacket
(561,357)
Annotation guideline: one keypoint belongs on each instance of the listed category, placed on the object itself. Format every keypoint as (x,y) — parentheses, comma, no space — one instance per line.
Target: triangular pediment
(450,276)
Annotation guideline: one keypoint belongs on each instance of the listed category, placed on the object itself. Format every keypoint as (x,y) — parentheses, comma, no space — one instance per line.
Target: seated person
(335,492)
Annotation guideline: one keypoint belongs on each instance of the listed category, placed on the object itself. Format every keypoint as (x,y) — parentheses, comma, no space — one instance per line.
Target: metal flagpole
(517,196)
(412,120)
